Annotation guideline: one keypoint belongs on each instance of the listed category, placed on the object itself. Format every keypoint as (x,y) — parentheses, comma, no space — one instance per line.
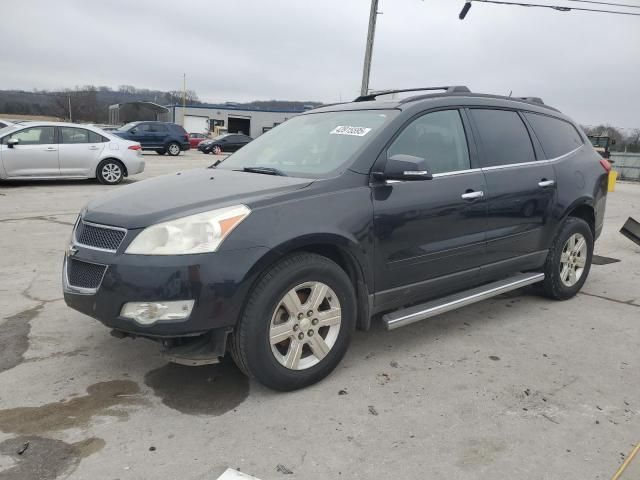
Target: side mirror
(406,167)
(12,142)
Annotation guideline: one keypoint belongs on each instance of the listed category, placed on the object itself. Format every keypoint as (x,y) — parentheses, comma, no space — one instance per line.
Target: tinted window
(157,127)
(96,138)
(505,138)
(437,137)
(74,135)
(556,136)
(33,136)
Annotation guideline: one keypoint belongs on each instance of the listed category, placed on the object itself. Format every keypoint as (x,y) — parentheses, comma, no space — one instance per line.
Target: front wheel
(110,172)
(297,323)
(217,150)
(173,149)
(569,260)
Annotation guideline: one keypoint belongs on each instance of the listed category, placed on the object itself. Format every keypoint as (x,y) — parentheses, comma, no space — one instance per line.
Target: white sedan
(55,150)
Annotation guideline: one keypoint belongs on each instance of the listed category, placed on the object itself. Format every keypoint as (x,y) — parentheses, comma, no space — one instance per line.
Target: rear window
(504,136)
(556,136)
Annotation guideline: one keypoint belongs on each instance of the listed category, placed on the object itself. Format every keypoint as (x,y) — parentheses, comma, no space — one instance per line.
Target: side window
(143,128)
(74,135)
(437,137)
(157,128)
(556,136)
(96,138)
(505,138)
(33,136)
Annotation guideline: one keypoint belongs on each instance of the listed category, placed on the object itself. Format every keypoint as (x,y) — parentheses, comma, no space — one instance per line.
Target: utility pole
(69,98)
(184,96)
(373,14)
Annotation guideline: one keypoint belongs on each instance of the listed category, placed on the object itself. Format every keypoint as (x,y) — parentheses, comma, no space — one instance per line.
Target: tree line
(626,140)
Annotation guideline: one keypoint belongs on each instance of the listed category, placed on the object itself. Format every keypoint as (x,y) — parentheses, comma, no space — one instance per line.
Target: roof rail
(450,89)
(531,99)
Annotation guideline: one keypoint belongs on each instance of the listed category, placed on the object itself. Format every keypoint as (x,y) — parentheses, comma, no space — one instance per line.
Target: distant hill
(90,103)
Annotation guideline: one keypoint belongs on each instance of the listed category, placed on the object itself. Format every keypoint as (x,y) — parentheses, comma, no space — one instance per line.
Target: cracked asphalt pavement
(514,387)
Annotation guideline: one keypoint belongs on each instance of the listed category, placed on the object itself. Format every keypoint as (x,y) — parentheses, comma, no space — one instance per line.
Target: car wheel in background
(297,323)
(217,150)
(161,151)
(110,172)
(173,149)
(569,260)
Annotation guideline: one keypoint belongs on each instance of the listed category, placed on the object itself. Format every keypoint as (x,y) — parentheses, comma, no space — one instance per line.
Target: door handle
(93,148)
(546,183)
(472,195)
(51,149)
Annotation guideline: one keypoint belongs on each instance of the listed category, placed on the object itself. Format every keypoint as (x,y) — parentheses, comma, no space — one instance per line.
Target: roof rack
(450,89)
(531,99)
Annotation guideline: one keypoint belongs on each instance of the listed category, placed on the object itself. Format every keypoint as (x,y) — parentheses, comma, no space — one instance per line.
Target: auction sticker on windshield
(346,130)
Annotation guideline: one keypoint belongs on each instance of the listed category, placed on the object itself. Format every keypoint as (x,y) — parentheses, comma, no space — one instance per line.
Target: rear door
(80,150)
(430,234)
(157,134)
(36,154)
(520,190)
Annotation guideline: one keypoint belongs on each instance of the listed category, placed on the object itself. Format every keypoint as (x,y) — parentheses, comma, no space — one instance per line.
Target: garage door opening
(240,125)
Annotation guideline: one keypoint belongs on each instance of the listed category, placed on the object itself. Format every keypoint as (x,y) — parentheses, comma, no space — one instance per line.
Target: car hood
(164,198)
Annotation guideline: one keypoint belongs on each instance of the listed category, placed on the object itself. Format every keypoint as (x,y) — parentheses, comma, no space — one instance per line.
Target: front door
(520,189)
(430,234)
(80,150)
(35,155)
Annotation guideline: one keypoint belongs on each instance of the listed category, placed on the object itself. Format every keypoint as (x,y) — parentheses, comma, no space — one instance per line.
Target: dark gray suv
(405,208)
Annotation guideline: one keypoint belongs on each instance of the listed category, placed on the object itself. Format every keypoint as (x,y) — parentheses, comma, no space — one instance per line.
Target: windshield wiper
(265,171)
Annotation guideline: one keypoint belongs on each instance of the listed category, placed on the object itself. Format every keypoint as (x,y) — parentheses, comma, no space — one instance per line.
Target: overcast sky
(587,65)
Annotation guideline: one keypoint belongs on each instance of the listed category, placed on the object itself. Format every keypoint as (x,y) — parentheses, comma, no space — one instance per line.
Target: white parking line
(231,474)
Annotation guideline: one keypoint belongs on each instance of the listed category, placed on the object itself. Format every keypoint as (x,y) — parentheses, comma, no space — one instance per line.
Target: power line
(625,5)
(559,8)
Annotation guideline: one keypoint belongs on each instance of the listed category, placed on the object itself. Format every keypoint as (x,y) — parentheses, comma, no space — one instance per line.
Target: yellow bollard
(613,175)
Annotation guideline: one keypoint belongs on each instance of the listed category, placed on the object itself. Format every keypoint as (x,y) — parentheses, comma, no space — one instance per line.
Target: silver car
(55,150)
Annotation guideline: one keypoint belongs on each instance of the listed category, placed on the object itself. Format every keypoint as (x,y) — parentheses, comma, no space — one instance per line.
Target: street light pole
(373,14)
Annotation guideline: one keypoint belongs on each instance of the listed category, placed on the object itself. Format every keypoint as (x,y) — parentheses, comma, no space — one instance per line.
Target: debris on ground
(343,392)
(372,410)
(282,469)
(23,448)
(383,378)
(495,358)
(393,364)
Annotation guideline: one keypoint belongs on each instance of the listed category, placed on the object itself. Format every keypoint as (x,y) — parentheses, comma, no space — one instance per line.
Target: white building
(202,118)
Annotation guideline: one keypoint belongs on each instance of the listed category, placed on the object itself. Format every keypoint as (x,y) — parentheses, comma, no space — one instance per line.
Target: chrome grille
(83,274)
(99,236)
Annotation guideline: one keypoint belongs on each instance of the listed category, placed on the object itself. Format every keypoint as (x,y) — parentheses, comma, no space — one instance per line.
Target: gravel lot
(514,387)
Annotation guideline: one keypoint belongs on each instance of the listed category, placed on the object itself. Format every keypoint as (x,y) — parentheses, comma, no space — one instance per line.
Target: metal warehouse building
(236,119)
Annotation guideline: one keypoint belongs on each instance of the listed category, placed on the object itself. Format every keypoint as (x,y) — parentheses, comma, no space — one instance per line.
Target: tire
(110,171)
(217,150)
(559,283)
(303,274)
(161,151)
(173,149)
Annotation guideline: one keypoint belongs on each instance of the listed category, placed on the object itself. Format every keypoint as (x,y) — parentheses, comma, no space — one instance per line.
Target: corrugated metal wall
(627,165)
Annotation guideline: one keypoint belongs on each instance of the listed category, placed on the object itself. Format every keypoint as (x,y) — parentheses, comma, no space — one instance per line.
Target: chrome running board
(400,318)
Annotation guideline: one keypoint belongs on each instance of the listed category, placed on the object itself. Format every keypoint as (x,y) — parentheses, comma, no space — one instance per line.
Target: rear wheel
(161,151)
(110,172)
(297,324)
(569,260)
(173,149)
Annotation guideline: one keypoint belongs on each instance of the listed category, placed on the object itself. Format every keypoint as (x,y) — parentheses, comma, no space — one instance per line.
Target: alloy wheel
(174,149)
(573,259)
(111,172)
(305,325)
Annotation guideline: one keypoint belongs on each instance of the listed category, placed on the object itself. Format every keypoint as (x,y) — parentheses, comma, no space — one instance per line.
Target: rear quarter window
(556,136)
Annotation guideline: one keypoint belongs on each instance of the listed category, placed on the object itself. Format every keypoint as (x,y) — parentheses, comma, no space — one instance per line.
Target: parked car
(407,207)
(229,142)
(202,146)
(54,150)
(5,123)
(162,137)
(195,139)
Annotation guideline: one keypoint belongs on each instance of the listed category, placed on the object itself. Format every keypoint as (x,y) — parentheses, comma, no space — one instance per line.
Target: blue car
(163,137)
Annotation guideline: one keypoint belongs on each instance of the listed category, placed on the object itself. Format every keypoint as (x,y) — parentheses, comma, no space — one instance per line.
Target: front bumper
(218,282)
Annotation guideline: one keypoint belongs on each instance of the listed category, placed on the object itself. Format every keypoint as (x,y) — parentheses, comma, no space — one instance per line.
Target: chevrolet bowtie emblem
(71,251)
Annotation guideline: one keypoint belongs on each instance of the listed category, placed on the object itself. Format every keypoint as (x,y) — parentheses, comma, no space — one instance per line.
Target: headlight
(200,233)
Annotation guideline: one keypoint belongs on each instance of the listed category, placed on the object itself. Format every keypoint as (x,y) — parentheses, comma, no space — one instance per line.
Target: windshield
(127,126)
(313,145)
